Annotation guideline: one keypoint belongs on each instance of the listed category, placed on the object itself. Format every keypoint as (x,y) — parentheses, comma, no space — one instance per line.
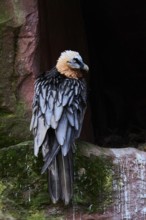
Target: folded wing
(59,105)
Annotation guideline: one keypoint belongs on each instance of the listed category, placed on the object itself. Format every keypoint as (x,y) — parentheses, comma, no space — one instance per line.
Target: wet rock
(18,50)
(18,65)
(14,126)
(22,188)
(27,56)
(108,184)
(128,180)
(5,216)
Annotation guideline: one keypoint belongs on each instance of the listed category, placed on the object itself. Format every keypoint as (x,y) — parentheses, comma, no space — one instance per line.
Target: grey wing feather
(44,92)
(60,95)
(76,89)
(51,102)
(54,123)
(54,94)
(68,141)
(65,100)
(35,115)
(76,120)
(32,122)
(70,117)
(42,103)
(48,116)
(45,147)
(81,118)
(62,129)
(58,109)
(35,120)
(40,134)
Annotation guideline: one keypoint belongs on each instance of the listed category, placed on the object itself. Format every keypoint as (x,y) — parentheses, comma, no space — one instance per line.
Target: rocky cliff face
(109,183)
(18,65)
(125,182)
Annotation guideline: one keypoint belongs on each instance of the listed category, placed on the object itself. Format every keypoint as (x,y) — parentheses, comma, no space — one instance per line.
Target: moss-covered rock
(22,188)
(93,179)
(14,126)
(24,191)
(8,48)
(14,115)
(5,15)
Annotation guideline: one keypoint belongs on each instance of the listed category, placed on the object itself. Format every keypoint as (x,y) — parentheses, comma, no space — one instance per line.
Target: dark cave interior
(111,37)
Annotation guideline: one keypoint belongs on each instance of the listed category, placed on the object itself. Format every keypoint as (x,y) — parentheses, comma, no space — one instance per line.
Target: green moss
(22,188)
(41,216)
(4,15)
(37,216)
(4,216)
(11,11)
(24,191)
(14,126)
(93,182)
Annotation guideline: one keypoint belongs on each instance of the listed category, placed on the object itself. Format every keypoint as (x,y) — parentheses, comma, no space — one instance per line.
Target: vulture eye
(77,61)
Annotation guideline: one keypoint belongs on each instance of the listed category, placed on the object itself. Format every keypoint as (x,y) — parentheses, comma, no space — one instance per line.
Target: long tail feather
(54,182)
(50,157)
(66,180)
(60,170)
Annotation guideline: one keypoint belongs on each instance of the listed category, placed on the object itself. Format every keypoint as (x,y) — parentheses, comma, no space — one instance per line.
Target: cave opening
(111,35)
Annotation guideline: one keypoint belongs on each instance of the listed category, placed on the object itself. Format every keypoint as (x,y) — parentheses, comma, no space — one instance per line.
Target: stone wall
(109,183)
(18,66)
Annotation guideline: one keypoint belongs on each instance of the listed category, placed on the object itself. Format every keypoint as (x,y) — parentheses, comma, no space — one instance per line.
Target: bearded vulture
(58,109)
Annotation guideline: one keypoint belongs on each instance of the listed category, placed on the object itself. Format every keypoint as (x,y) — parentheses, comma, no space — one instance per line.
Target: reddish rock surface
(129,182)
(128,185)
(19,46)
(19,66)
(26,63)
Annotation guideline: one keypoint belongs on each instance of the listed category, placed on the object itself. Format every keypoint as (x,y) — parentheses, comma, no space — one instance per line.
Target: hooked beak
(84,67)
